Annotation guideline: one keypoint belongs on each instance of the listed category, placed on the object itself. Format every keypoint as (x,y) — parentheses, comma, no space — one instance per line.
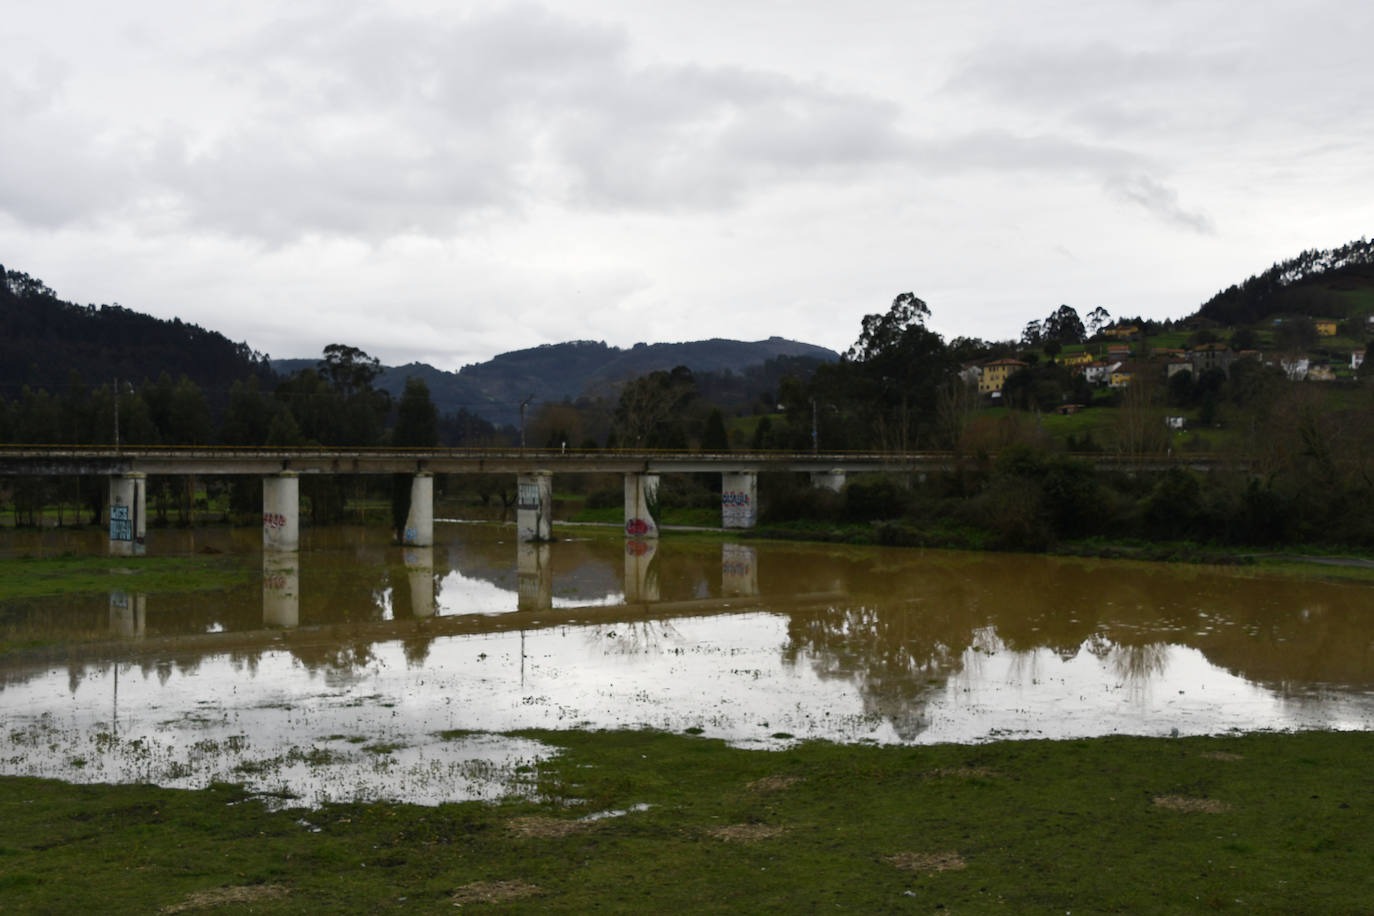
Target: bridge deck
(106,460)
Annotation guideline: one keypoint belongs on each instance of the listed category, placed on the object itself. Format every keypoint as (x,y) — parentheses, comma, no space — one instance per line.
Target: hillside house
(1326,327)
(1121,332)
(1295,367)
(1074,360)
(1175,366)
(1121,377)
(995,375)
(1118,351)
(1098,373)
(1211,356)
(1356,359)
(1321,372)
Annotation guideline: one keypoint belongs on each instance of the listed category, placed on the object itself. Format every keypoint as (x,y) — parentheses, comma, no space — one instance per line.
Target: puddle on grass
(357,670)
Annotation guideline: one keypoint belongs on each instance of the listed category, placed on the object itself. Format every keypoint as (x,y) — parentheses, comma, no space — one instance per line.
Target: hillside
(1336,283)
(44,339)
(555,372)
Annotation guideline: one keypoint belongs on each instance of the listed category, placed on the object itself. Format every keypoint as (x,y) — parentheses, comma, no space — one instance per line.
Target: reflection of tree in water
(894,656)
(341,664)
(643,637)
(1137,664)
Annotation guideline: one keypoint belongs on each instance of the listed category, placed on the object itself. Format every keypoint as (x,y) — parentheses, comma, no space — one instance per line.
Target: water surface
(357,669)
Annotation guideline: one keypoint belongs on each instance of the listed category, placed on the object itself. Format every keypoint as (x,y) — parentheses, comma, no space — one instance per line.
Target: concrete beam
(128,521)
(832,480)
(641,505)
(534,506)
(739,499)
(281,512)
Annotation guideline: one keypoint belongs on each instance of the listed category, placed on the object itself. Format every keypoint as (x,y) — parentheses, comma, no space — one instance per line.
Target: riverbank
(653,822)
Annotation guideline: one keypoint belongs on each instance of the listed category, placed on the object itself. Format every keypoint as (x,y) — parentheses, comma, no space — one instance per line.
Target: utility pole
(522,420)
(815,435)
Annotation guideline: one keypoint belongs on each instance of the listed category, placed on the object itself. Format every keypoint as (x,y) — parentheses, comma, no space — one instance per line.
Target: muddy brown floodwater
(361,670)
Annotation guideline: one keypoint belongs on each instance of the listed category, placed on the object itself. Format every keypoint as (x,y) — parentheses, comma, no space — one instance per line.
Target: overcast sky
(443,181)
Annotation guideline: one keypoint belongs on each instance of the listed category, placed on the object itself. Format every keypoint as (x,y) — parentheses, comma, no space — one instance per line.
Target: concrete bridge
(281,469)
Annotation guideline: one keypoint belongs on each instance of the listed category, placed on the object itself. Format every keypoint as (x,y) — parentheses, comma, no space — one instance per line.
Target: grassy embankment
(33,577)
(1259,823)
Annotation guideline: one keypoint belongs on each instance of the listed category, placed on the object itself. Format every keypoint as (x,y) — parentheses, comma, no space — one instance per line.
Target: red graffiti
(273,520)
(636,526)
(637,548)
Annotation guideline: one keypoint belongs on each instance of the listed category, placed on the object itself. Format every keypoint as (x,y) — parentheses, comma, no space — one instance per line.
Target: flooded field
(356,669)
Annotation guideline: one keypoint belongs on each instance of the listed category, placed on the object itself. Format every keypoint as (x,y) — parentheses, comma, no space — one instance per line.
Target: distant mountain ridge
(566,371)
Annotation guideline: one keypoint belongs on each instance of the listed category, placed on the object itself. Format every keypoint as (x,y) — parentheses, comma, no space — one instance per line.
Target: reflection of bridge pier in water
(534,576)
(128,614)
(739,571)
(281,588)
(420,571)
(641,573)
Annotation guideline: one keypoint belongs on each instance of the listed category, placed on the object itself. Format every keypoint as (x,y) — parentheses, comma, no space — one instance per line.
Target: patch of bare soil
(927,861)
(494,892)
(546,827)
(1220,755)
(773,783)
(963,773)
(251,893)
(1191,805)
(746,833)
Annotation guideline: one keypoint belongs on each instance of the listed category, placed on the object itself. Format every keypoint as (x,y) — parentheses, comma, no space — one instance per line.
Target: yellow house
(1121,377)
(1081,358)
(1121,331)
(995,374)
(1326,327)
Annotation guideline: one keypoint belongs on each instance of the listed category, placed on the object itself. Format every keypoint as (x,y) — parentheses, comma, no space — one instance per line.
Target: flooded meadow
(358,670)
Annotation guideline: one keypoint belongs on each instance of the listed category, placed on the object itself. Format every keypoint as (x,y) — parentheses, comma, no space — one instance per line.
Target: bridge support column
(281,588)
(739,499)
(534,506)
(419,530)
(281,512)
(641,505)
(128,525)
(828,480)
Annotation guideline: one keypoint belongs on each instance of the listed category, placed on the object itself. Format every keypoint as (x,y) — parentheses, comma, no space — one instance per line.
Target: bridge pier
(641,505)
(534,506)
(419,530)
(128,506)
(739,499)
(128,614)
(832,480)
(281,512)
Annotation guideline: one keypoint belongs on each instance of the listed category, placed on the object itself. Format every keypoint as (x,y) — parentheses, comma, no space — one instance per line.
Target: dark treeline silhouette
(1287,286)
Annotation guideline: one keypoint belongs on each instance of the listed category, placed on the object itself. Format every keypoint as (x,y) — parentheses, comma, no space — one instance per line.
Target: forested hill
(44,339)
(566,371)
(1320,284)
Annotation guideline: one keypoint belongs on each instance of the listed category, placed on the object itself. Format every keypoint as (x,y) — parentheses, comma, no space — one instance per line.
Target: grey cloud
(371,126)
(1160,200)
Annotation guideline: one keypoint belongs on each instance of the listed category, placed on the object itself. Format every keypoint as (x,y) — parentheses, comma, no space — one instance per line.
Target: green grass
(1262,823)
(32,577)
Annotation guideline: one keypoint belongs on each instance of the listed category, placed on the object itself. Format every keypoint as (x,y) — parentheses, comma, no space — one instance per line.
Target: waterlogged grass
(1260,823)
(32,577)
